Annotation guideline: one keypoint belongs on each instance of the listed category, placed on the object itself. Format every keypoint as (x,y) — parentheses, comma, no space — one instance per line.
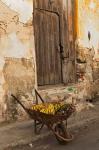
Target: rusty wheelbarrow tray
(57,123)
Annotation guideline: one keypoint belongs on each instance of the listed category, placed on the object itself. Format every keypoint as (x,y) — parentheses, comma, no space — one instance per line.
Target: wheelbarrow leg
(66,124)
(37,129)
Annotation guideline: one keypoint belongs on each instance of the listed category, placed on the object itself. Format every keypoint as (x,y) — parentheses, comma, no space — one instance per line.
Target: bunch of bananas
(38,107)
(47,108)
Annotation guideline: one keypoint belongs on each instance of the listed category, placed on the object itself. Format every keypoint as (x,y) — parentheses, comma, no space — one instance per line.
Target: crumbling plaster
(88,47)
(17,52)
(88,14)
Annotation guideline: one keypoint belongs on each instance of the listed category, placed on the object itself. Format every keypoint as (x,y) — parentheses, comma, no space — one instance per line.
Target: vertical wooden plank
(46,49)
(65,35)
(55,30)
(36,33)
(52,50)
(40,50)
(57,52)
(70,19)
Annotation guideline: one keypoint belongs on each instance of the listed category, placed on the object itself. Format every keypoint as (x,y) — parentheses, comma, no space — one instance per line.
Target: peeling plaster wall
(23,8)
(88,50)
(88,20)
(16,43)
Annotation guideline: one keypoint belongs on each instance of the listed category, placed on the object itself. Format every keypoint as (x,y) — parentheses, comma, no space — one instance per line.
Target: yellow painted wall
(88,20)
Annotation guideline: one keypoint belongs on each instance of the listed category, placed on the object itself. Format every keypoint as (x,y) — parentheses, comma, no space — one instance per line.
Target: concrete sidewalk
(22,132)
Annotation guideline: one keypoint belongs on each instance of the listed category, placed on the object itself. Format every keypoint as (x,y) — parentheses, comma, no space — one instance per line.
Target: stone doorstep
(55,89)
(75,123)
(56,93)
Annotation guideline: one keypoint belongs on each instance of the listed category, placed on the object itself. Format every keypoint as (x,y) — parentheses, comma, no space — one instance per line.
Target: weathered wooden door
(51,41)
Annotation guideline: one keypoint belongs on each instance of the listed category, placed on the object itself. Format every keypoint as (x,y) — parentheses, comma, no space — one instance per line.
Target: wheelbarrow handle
(37,94)
(16,99)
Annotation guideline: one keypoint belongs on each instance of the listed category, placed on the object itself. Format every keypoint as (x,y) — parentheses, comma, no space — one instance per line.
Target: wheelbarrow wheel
(60,131)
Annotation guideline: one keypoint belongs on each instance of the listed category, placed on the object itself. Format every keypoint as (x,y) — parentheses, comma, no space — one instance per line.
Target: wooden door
(49,69)
(54,42)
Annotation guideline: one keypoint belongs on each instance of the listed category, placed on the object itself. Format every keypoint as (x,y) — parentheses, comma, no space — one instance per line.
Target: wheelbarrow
(57,122)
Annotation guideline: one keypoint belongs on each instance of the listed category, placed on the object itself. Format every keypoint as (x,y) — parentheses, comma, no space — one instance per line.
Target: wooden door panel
(47,43)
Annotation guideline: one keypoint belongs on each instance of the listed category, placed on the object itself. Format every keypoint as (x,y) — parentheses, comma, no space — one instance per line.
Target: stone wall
(87,72)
